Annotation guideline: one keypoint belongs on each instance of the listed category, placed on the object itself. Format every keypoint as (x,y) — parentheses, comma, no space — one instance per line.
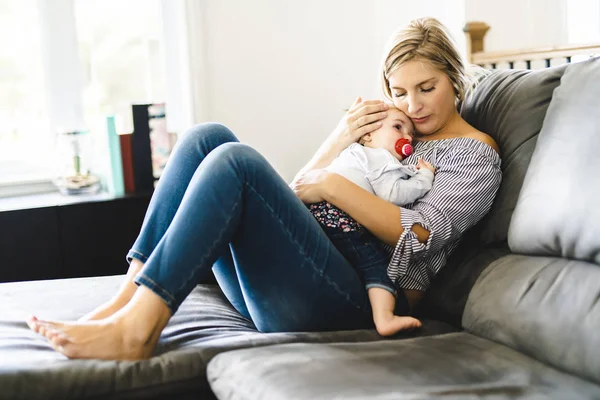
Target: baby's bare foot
(395,324)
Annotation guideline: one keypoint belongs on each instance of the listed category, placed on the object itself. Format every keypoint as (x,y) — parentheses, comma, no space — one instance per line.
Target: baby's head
(395,126)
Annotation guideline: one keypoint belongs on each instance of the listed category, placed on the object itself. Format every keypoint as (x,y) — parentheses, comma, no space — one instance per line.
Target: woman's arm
(465,185)
(363,117)
(380,217)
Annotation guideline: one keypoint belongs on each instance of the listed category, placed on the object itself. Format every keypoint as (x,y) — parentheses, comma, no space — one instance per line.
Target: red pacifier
(403,147)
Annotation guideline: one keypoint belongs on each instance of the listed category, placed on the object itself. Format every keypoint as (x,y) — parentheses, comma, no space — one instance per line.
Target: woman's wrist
(328,187)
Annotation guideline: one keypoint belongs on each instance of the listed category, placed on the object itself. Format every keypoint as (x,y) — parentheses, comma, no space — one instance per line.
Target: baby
(375,165)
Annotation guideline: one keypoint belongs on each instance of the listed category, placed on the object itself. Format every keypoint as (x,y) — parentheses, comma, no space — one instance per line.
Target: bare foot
(105,339)
(391,325)
(130,334)
(104,311)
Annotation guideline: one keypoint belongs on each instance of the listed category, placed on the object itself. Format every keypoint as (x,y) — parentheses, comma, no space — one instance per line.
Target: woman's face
(425,94)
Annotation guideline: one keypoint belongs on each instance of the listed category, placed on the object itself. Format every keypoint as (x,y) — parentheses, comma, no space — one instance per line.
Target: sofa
(514,314)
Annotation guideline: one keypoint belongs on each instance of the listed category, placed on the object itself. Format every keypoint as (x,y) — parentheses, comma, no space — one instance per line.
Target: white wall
(534,23)
(517,23)
(583,21)
(392,14)
(280,73)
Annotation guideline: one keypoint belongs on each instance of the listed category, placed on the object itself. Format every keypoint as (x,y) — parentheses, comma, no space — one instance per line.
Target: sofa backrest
(558,211)
(546,302)
(510,106)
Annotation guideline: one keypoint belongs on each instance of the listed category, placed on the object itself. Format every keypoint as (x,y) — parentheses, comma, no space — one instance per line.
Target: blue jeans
(220,206)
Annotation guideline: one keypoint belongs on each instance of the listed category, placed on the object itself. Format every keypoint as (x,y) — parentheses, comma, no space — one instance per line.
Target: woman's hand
(362,117)
(310,186)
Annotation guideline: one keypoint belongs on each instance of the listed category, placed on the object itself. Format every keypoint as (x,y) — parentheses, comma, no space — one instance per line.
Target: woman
(220,205)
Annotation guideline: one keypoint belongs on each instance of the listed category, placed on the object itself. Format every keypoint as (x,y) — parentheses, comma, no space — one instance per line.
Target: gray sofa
(514,314)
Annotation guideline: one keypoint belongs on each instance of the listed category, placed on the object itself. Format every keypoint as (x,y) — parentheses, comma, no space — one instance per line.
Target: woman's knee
(240,160)
(240,154)
(208,133)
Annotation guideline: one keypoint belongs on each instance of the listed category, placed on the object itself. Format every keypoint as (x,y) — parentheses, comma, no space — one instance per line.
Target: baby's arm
(393,184)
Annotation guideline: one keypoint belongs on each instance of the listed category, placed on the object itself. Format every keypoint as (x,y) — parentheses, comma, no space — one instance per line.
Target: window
(121,55)
(66,64)
(24,136)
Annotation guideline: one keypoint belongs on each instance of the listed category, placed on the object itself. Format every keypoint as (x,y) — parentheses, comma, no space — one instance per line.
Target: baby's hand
(424,164)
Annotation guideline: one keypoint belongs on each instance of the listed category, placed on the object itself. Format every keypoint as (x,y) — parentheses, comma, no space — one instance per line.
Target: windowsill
(53,199)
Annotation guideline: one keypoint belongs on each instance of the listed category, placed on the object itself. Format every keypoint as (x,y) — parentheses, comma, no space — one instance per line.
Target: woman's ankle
(145,315)
(128,287)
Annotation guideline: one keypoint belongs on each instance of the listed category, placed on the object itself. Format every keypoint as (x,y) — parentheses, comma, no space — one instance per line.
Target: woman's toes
(33,324)
(59,340)
(65,350)
(51,333)
(415,324)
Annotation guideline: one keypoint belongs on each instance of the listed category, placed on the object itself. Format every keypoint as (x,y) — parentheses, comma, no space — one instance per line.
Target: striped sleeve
(465,184)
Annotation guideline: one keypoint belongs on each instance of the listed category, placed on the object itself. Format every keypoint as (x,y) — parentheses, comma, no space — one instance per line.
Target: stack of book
(136,160)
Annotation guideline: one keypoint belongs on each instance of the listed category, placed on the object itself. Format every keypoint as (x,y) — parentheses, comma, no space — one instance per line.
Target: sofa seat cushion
(545,307)
(456,366)
(204,326)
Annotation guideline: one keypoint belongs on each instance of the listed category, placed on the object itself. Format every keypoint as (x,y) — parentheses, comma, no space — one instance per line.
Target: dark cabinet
(71,240)
(29,245)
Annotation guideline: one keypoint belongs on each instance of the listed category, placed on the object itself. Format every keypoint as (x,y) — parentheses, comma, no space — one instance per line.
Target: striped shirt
(467,178)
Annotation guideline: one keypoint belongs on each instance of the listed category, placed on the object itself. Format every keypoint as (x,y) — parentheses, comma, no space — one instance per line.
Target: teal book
(115,184)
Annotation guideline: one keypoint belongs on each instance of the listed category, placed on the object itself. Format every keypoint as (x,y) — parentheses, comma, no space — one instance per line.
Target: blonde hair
(426,39)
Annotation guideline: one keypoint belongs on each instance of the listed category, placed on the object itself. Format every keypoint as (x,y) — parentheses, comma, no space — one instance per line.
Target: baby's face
(395,126)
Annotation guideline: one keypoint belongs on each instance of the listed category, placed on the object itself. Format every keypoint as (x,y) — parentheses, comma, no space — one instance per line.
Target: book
(141,151)
(161,141)
(106,168)
(115,182)
(151,144)
(125,141)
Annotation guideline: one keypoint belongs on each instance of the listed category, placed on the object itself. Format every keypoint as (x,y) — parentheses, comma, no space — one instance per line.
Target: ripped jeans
(221,208)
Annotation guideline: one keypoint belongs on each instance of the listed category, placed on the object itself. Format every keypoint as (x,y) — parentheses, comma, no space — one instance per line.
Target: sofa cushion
(446,298)
(510,106)
(558,211)
(546,307)
(204,326)
(452,366)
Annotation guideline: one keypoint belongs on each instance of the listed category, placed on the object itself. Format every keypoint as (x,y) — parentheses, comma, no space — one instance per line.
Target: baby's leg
(386,323)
